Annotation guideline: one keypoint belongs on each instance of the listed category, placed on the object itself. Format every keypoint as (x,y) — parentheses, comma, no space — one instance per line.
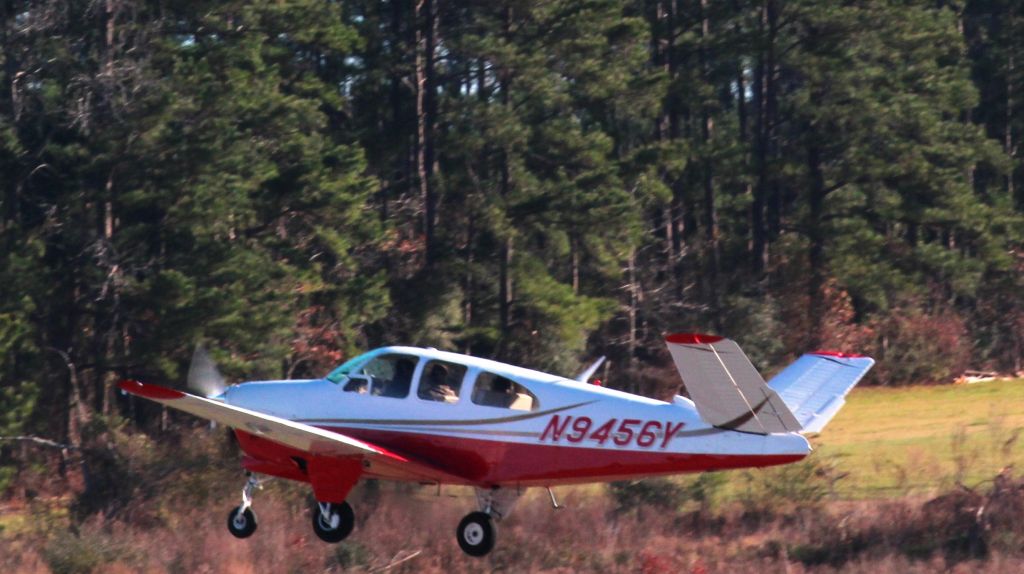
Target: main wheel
(336,525)
(241,523)
(476,534)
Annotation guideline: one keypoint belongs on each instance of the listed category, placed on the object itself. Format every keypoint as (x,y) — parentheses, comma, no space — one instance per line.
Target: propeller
(203,376)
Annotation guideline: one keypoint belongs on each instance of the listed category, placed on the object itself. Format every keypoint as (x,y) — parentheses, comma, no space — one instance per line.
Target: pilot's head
(502,385)
(438,374)
(404,367)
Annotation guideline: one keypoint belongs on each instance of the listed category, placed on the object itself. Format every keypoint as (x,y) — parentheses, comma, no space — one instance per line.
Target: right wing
(726,388)
(815,385)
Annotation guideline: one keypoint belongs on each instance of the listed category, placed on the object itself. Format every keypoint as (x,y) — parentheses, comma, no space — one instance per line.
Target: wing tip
(839,354)
(155,392)
(692,338)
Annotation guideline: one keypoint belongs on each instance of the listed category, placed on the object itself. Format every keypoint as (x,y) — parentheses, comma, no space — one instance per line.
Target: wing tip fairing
(692,338)
(155,392)
(838,354)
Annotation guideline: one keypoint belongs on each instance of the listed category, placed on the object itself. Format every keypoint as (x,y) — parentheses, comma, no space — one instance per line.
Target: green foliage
(352,555)
(802,485)
(660,493)
(92,550)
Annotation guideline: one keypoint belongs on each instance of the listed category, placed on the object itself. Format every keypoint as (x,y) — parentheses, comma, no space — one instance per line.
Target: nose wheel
(241,522)
(241,519)
(333,522)
(476,534)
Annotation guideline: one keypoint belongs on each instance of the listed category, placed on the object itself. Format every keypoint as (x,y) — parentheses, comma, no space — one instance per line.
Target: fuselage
(490,424)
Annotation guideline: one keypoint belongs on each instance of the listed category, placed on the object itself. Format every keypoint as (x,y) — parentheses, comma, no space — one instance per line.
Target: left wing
(307,438)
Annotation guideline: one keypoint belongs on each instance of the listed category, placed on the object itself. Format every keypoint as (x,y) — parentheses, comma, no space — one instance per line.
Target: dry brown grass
(163,510)
(961,531)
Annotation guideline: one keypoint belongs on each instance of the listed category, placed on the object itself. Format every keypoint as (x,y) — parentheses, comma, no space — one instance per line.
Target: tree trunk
(1008,129)
(633,310)
(505,294)
(426,114)
(816,245)
(467,280)
(574,248)
(707,175)
(764,103)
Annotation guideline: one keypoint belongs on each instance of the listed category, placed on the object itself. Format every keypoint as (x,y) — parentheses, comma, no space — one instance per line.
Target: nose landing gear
(241,519)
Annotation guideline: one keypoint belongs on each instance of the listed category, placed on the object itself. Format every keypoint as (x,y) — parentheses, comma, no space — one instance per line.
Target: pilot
(399,384)
(437,387)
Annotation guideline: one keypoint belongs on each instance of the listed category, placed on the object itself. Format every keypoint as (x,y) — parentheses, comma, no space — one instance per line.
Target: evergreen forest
(293,182)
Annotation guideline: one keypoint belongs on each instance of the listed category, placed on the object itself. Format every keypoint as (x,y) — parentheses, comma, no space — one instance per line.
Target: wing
(725,386)
(307,438)
(815,385)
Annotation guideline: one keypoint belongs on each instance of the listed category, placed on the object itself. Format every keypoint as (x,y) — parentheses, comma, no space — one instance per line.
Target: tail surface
(815,386)
(726,388)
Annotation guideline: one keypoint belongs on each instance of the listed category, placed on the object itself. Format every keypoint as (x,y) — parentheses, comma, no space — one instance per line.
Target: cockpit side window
(384,376)
(441,381)
(493,390)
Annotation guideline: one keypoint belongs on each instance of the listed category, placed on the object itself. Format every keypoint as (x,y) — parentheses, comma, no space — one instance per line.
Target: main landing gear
(477,532)
(332,522)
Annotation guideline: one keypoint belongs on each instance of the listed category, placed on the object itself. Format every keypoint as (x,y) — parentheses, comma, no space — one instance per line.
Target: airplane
(442,418)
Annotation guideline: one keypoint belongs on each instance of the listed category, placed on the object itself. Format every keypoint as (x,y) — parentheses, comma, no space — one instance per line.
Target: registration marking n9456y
(624,432)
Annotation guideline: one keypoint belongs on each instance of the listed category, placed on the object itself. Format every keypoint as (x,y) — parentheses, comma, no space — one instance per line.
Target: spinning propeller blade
(203,376)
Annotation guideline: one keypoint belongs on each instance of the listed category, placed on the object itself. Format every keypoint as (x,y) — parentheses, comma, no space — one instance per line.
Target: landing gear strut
(333,522)
(241,519)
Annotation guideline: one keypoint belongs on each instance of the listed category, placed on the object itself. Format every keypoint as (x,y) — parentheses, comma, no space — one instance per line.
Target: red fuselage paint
(495,462)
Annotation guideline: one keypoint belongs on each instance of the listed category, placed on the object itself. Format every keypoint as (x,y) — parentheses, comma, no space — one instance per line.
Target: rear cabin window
(496,391)
(384,376)
(441,382)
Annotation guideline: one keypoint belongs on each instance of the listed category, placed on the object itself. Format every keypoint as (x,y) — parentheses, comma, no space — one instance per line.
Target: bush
(793,487)
(659,493)
(922,348)
(85,553)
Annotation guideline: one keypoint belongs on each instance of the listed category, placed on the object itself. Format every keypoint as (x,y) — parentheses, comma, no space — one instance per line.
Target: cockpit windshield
(342,371)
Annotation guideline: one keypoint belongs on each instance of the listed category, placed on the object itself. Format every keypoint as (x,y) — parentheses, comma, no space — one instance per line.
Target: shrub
(772,491)
(661,493)
(85,553)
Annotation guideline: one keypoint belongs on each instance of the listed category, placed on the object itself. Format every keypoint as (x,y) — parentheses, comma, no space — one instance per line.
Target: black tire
(241,525)
(476,534)
(332,530)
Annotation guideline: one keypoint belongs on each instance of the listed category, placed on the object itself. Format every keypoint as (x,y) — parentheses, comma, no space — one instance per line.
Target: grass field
(918,439)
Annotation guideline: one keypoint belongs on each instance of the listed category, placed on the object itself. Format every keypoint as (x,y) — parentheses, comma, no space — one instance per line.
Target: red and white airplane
(433,417)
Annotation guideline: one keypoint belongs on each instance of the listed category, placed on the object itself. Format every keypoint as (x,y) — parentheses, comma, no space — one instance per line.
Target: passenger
(504,393)
(436,387)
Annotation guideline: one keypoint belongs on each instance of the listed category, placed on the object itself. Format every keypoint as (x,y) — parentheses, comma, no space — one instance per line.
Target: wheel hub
(474,534)
(329,522)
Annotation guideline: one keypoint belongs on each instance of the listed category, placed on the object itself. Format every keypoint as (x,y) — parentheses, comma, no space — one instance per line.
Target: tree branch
(39,441)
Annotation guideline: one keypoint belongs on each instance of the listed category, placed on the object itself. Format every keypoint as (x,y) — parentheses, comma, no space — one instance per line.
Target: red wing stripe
(836,354)
(692,338)
(155,392)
